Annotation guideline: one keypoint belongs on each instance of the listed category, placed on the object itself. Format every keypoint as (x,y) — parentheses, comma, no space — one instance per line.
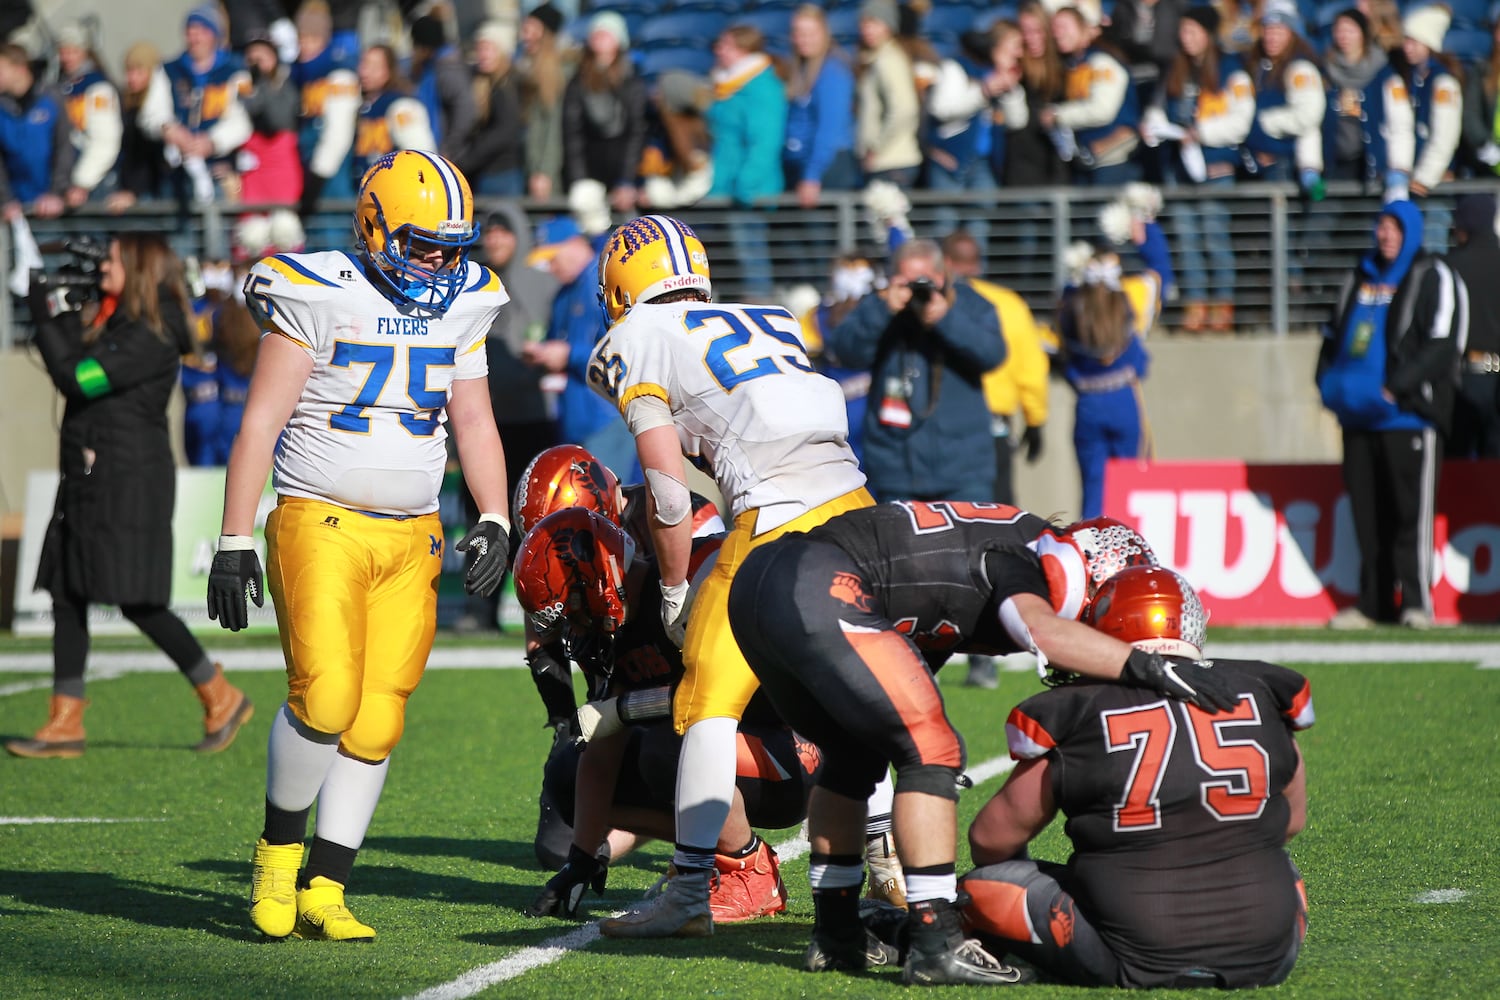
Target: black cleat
(825,954)
(966,965)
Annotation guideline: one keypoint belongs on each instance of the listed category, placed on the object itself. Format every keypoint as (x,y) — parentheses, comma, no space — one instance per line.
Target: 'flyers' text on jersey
(381,377)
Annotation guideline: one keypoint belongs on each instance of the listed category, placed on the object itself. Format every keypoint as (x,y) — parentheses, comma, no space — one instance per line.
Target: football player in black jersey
(844,626)
(560,477)
(579,576)
(1179,877)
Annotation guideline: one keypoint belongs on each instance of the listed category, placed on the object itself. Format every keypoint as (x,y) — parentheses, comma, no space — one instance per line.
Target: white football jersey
(368,432)
(746,401)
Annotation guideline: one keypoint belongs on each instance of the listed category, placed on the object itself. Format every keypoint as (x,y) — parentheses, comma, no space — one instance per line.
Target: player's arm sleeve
(340,117)
(233,128)
(1292,694)
(1026,735)
(409,125)
(1445,129)
(278,294)
(1108,84)
(102,132)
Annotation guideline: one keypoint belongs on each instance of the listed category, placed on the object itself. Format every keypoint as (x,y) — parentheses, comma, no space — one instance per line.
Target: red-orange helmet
(570,569)
(565,476)
(1152,608)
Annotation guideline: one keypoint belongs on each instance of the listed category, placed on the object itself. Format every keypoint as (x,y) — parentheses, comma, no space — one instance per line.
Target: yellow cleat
(273,888)
(322,915)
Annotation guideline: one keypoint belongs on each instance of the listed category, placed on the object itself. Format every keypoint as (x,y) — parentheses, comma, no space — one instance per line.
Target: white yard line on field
(554,949)
(1440,896)
(40,820)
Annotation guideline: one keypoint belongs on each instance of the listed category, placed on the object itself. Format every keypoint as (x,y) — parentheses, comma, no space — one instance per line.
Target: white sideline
(549,951)
(38,820)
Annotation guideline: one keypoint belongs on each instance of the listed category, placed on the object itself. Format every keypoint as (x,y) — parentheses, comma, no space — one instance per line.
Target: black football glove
(488,547)
(1190,681)
(234,574)
(564,890)
(1032,439)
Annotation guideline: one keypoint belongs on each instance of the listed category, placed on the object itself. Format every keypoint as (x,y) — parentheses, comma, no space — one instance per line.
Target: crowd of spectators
(947,97)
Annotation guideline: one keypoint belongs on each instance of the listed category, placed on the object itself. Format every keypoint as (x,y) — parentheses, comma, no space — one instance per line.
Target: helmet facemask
(400,251)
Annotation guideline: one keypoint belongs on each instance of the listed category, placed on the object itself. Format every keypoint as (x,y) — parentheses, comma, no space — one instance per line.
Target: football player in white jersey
(730,385)
(364,360)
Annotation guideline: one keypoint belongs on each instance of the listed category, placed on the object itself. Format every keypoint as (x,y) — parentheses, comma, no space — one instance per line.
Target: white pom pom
(1143,199)
(589,202)
(1114,222)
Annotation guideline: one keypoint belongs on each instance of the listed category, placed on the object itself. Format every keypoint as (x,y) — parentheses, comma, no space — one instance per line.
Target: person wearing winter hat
(443,85)
(1286,139)
(93,109)
(194,107)
(1207,94)
(1420,118)
(542,78)
(888,112)
(1096,127)
(1349,66)
(604,114)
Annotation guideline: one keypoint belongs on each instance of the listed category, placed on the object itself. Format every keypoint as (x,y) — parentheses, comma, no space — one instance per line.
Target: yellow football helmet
(647,258)
(410,204)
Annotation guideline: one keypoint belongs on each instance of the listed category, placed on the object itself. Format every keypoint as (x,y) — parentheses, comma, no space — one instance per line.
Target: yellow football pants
(356,604)
(717,682)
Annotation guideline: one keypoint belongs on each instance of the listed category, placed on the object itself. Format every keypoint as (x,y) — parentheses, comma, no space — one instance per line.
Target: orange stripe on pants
(999,909)
(903,675)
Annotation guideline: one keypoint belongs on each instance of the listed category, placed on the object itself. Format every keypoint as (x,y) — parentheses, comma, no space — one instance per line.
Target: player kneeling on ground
(1178,817)
(581,578)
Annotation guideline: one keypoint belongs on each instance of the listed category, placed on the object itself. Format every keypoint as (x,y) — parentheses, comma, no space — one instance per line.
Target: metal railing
(1290,255)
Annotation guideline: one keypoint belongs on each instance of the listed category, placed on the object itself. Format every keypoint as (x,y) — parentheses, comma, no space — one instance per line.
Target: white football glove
(674,611)
(598,719)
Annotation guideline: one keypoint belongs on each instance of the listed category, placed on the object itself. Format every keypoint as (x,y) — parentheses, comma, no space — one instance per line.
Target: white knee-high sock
(879,811)
(297,759)
(705,787)
(348,799)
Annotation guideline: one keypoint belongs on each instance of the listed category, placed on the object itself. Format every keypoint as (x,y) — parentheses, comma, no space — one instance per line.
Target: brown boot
(62,736)
(1221,317)
(1195,317)
(225,710)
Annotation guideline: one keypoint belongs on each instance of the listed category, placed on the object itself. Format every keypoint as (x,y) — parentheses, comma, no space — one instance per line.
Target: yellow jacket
(1021,380)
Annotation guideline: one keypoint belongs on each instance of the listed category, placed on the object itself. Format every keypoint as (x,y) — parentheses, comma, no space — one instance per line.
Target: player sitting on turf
(579,575)
(1178,817)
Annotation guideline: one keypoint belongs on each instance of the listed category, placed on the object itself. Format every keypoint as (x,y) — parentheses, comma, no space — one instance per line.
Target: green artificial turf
(1404,801)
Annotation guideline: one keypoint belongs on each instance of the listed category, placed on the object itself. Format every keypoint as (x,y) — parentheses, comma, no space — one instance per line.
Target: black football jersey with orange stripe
(924,564)
(1177,817)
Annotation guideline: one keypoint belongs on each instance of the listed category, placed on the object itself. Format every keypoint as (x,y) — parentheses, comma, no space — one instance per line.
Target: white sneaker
(1351,619)
(1416,619)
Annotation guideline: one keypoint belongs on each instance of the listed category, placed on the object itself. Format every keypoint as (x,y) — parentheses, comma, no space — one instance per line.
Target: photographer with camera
(927,339)
(111,330)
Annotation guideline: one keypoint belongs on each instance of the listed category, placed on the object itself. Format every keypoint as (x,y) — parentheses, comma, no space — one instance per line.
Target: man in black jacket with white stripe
(1389,371)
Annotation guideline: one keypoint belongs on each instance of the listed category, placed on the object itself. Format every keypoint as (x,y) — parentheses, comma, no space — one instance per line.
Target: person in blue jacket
(819,148)
(927,340)
(36,154)
(575,326)
(1102,336)
(1389,371)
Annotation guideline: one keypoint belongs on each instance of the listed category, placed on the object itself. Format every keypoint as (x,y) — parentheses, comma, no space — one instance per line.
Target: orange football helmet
(1152,608)
(570,571)
(565,476)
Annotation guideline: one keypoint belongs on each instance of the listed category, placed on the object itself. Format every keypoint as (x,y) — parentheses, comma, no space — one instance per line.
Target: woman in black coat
(110,540)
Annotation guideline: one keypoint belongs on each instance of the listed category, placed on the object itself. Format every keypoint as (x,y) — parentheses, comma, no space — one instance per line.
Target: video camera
(80,275)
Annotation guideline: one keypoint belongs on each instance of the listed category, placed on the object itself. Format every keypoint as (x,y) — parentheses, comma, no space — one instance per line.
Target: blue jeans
(972,176)
(1202,229)
(1110,176)
(502,184)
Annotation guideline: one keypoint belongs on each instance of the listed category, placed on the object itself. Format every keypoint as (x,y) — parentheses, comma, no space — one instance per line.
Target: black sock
(330,860)
(749,848)
(836,911)
(934,926)
(284,827)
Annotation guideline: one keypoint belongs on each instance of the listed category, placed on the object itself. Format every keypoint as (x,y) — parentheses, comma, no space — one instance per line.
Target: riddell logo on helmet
(681,281)
(453,227)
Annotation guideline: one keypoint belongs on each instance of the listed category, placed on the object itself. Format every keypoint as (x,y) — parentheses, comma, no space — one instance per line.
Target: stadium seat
(725,7)
(1468,44)
(843,23)
(1470,13)
(693,59)
(949,20)
(680,28)
(775,23)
